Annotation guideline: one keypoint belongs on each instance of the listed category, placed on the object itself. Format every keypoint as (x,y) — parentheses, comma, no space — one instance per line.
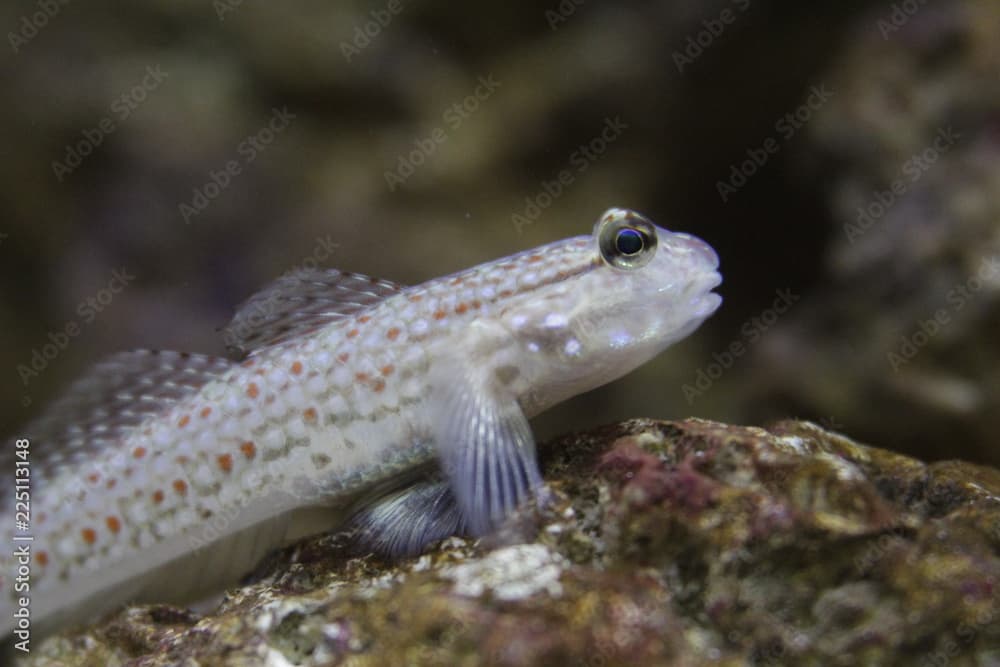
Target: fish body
(162,475)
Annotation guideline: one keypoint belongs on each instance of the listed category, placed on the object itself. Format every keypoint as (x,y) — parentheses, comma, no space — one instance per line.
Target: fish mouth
(707,304)
(707,301)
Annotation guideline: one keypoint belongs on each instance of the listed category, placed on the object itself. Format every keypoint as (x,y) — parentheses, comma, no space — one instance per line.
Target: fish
(401,411)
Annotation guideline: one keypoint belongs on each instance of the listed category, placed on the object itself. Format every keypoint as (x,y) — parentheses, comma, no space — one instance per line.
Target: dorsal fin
(116,395)
(297,302)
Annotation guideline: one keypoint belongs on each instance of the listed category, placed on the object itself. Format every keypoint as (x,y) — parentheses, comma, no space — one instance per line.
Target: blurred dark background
(117,114)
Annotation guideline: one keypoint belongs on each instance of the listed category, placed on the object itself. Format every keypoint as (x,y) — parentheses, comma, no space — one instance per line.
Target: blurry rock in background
(900,343)
(200,150)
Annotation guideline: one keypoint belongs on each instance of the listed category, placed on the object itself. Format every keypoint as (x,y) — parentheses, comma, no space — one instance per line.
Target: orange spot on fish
(309,414)
(249,450)
(225,462)
(378,386)
(139,452)
(42,557)
(456,281)
(253,391)
(534,258)
(506,293)
(439,314)
(388,369)
(93,478)
(416,298)
(183,460)
(205,412)
(461,308)
(476,304)
(248,363)
(361,377)
(352,333)
(89,535)
(114,525)
(157,496)
(363,319)
(183,421)
(297,368)
(180,486)
(343,357)
(111,483)
(393,333)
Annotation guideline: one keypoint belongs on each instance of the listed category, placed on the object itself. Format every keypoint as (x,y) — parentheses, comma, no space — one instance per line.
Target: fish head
(629,291)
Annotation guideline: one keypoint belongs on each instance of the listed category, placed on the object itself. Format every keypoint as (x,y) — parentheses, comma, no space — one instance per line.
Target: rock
(902,329)
(680,543)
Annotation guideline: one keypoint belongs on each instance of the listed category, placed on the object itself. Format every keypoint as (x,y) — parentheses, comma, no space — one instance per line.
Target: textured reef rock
(903,332)
(680,543)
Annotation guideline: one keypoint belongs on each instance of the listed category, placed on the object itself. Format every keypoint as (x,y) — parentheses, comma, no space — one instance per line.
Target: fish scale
(345,383)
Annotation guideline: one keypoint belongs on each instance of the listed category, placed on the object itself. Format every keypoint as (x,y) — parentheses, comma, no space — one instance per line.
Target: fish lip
(701,286)
(708,301)
(707,305)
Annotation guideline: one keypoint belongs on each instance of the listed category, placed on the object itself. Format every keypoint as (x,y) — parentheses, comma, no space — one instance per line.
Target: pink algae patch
(646,480)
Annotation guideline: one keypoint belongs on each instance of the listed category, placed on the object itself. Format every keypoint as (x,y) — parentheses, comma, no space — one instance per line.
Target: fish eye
(629,241)
(626,239)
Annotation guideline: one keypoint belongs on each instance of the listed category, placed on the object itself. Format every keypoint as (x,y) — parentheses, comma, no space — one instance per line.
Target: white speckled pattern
(322,415)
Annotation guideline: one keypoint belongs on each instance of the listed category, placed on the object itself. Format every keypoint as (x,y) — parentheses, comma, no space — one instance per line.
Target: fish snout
(702,253)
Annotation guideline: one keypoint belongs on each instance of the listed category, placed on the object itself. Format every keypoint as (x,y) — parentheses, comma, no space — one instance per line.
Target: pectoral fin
(485,447)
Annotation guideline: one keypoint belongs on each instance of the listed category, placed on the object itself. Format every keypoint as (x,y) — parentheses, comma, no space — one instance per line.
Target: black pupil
(629,242)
